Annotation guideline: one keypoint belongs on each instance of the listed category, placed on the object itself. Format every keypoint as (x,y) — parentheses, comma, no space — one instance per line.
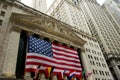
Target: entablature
(48,27)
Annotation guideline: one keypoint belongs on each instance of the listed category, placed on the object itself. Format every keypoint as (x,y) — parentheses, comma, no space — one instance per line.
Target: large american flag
(44,53)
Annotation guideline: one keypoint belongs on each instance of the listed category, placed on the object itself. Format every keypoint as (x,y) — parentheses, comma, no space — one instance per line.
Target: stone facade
(20,18)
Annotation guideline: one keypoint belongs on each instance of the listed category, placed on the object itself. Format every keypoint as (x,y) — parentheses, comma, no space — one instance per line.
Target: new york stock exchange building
(33,44)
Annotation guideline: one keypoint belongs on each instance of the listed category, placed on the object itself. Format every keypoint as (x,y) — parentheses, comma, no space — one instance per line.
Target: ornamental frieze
(47,25)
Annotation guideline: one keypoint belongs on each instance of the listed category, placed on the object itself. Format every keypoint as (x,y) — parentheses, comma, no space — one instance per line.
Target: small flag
(47,72)
(69,73)
(36,72)
(43,69)
(59,73)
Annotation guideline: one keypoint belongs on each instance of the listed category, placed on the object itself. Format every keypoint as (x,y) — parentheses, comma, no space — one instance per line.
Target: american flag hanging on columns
(43,53)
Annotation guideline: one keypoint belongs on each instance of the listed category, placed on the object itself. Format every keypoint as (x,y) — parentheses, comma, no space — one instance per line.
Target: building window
(93,63)
(2,13)
(93,71)
(1,22)
(5,6)
(89,56)
(119,67)
(100,72)
(98,78)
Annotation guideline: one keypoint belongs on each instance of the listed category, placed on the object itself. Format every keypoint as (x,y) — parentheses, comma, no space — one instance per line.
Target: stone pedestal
(54,77)
(10,60)
(42,76)
(65,78)
(28,76)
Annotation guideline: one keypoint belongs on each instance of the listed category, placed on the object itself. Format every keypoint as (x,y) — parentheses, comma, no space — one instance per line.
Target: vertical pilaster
(10,60)
(86,64)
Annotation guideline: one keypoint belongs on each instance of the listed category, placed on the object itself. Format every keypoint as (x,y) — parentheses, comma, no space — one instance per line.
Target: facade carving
(49,26)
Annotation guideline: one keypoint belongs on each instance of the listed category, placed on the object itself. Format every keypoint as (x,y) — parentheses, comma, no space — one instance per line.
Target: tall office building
(39,5)
(118,1)
(112,9)
(105,31)
(69,12)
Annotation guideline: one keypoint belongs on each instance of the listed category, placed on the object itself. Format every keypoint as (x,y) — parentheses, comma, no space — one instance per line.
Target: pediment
(48,25)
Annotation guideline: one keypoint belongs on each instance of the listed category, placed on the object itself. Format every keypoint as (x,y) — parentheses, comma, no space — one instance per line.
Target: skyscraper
(40,5)
(112,9)
(69,12)
(106,33)
(118,1)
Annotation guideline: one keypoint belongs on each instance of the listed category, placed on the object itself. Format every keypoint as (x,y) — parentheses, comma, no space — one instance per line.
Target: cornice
(47,25)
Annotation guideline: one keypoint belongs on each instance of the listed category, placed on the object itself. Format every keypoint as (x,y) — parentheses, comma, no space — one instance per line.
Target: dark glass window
(1,22)
(2,13)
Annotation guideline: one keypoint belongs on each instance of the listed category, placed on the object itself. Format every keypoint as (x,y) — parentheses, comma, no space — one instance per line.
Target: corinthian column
(9,66)
(86,64)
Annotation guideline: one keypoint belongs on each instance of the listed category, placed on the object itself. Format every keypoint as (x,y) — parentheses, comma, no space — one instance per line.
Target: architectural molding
(47,27)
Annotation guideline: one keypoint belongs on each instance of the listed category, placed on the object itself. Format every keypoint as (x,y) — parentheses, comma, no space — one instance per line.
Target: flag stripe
(76,62)
(52,64)
(64,48)
(65,54)
(64,57)
(60,60)
(42,57)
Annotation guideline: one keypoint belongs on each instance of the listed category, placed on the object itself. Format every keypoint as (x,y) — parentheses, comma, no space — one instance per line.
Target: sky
(49,2)
(28,2)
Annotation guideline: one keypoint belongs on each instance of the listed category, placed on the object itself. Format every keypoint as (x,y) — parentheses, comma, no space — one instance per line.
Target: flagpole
(85,65)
